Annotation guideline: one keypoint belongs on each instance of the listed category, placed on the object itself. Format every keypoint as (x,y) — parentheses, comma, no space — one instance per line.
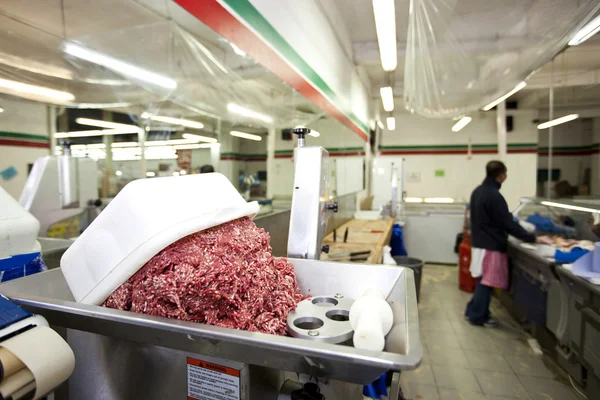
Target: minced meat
(224,276)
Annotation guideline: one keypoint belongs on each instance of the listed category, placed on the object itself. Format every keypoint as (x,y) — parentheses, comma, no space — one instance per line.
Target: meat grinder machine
(124,355)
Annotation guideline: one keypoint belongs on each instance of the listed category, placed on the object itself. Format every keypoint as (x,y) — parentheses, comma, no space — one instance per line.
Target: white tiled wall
(461,176)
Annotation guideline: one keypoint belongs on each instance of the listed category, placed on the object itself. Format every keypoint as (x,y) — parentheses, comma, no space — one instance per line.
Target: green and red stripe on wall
(243,157)
(257,37)
(24,140)
(587,150)
(333,152)
(456,149)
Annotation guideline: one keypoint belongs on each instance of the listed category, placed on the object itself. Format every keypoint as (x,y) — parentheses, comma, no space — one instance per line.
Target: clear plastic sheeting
(149,66)
(156,68)
(463,54)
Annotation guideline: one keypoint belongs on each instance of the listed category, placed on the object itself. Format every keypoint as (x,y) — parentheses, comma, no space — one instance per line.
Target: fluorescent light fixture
(150,174)
(506,96)
(245,135)
(95,146)
(387,98)
(121,67)
(464,121)
(1,110)
(198,138)
(191,146)
(183,172)
(234,108)
(175,121)
(570,207)
(118,173)
(445,200)
(237,50)
(176,144)
(152,153)
(558,121)
(589,30)
(385,23)
(34,92)
(391,123)
(62,135)
(381,126)
(127,156)
(124,144)
(153,143)
(413,199)
(107,124)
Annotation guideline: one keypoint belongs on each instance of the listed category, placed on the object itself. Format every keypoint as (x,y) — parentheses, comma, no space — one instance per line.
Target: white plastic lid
(144,218)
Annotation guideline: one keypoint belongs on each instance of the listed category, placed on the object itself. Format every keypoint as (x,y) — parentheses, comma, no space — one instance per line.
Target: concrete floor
(467,362)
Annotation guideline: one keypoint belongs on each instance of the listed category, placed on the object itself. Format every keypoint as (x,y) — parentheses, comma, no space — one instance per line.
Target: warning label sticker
(209,381)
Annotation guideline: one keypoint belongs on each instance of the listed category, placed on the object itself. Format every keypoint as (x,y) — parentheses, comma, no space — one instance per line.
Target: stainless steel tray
(48,294)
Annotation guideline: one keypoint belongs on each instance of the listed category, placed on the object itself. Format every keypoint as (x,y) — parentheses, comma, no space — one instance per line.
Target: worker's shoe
(491,323)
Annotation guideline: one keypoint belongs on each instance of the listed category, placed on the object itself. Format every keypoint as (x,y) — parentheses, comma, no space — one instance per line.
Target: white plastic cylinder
(371,318)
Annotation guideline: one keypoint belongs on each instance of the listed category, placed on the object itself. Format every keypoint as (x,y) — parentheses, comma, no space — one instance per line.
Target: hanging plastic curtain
(150,66)
(163,66)
(463,54)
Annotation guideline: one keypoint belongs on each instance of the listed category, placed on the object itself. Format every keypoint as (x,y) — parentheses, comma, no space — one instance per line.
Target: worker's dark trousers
(478,309)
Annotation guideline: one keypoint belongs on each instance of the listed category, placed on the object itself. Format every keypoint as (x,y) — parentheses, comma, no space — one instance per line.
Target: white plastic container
(371,318)
(144,218)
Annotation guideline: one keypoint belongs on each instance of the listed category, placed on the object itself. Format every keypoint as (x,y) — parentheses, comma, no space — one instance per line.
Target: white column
(550,135)
(501,128)
(379,134)
(270,161)
(108,166)
(51,122)
(368,167)
(142,144)
(108,161)
(215,151)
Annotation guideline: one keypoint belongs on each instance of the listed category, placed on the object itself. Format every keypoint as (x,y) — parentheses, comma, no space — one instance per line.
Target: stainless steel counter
(92,329)
(535,286)
(570,308)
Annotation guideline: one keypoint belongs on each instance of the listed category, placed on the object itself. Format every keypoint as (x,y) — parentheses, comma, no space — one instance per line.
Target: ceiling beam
(367,52)
(583,111)
(571,78)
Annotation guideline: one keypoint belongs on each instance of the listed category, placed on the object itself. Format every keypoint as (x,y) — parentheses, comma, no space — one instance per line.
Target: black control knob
(325,248)
(333,207)
(301,131)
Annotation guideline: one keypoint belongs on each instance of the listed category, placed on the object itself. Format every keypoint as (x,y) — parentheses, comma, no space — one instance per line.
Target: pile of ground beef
(224,276)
